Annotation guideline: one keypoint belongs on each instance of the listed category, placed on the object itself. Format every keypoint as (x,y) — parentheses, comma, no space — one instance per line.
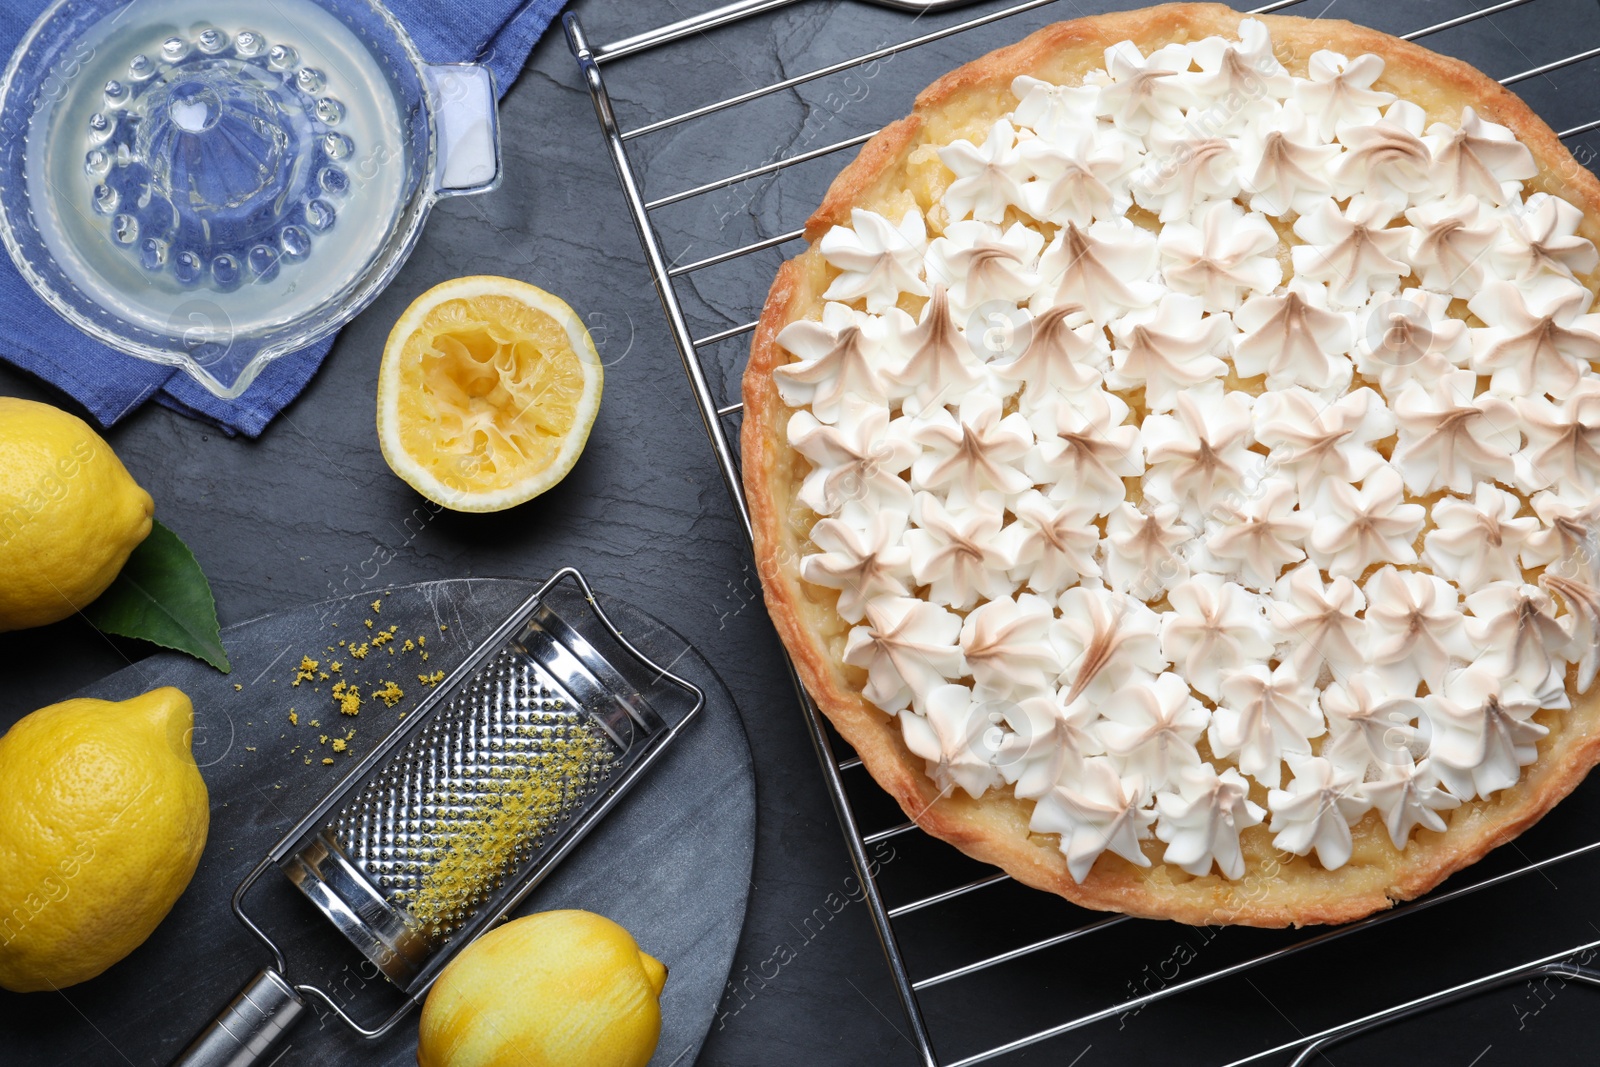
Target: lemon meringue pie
(1175,463)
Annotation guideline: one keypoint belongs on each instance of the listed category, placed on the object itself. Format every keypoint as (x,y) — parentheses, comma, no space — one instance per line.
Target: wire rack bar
(949,894)
(858,842)
(742,250)
(1462,20)
(766,168)
(723,335)
(699,24)
(834,68)
(1548,67)
(1019,952)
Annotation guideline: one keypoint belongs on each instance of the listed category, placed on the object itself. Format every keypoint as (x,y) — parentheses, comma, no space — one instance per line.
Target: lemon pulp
(487,393)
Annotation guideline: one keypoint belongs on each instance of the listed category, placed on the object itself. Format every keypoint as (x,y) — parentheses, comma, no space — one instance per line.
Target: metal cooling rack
(933,921)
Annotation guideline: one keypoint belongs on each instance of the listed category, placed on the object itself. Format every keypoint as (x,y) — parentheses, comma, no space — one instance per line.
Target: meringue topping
(1197,456)
(1410,337)
(855,465)
(1385,160)
(1086,447)
(1142,549)
(1142,89)
(957,553)
(1101,268)
(877,259)
(908,647)
(1338,92)
(939,366)
(861,563)
(1264,716)
(949,735)
(1478,158)
(1407,795)
(1118,486)
(1078,177)
(1478,541)
(1046,742)
(1582,601)
(973,452)
(1322,622)
(1202,819)
(1168,349)
(1370,723)
(988,179)
(838,358)
(1107,639)
(1450,439)
(1262,536)
(1515,625)
(1542,237)
(1053,543)
(1539,340)
(1151,730)
(1221,254)
(1214,626)
(1449,243)
(1286,168)
(1315,812)
(1182,171)
(1415,629)
(1006,646)
(1293,339)
(1312,441)
(1356,528)
(1099,812)
(1065,353)
(1055,112)
(1355,251)
(1485,733)
(977,262)
(1563,448)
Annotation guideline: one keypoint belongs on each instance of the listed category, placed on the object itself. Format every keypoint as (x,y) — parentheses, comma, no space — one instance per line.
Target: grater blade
(506,760)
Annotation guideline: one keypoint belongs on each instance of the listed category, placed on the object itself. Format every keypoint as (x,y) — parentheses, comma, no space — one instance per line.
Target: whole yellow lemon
(69,514)
(557,989)
(103,816)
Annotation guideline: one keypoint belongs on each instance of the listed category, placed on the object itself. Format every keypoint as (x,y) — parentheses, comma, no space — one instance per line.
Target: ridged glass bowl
(212,184)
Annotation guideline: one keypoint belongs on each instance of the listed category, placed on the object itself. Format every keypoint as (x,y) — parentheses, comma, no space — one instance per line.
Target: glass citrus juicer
(212,184)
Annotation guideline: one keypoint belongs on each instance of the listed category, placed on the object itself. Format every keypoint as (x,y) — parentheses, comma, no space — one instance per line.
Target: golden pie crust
(888,176)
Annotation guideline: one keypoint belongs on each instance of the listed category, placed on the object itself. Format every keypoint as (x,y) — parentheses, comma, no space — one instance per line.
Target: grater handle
(250,1028)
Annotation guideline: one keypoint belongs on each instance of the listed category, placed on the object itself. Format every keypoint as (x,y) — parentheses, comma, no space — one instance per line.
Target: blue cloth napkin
(110,384)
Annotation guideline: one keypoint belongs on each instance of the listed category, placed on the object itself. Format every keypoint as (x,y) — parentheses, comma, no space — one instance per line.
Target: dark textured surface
(671,863)
(311,511)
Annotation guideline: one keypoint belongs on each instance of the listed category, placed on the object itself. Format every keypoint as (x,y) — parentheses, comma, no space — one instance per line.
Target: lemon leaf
(162,596)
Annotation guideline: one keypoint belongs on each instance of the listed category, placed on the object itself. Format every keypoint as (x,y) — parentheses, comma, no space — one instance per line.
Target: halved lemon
(487,392)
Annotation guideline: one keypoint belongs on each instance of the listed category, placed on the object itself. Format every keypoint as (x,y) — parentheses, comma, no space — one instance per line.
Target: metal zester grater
(461,811)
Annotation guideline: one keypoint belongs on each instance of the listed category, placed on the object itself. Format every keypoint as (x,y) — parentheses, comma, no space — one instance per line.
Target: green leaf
(163,597)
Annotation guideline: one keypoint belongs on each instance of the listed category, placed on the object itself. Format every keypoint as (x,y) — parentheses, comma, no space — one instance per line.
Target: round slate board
(671,862)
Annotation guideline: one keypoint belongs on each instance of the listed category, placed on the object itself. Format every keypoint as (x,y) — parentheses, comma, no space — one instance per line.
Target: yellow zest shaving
(348,697)
(533,795)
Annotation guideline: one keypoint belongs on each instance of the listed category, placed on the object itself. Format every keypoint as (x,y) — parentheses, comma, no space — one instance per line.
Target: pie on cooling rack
(1175,464)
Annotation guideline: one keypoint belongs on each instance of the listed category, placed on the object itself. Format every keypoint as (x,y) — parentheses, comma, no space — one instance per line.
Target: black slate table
(311,511)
